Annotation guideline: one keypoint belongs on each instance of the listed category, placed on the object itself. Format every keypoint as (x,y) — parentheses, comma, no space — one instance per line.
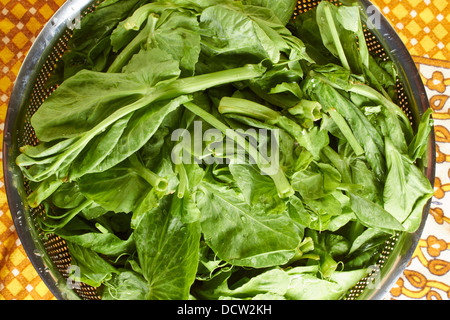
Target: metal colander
(49,253)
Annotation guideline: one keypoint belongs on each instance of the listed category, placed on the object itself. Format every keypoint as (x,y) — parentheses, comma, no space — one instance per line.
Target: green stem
(139,16)
(274,99)
(294,129)
(157,182)
(183,183)
(51,223)
(247,108)
(102,228)
(346,131)
(282,184)
(376,96)
(64,158)
(339,163)
(356,228)
(372,94)
(134,46)
(43,191)
(336,40)
(168,91)
(260,112)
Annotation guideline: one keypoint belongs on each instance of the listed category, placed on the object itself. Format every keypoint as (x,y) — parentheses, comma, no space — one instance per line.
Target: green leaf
(418,145)
(365,239)
(108,243)
(163,67)
(373,215)
(343,35)
(306,286)
(274,281)
(350,19)
(305,27)
(141,126)
(119,189)
(168,252)
(283,9)
(316,181)
(58,164)
(126,285)
(406,186)
(241,236)
(93,270)
(326,17)
(259,191)
(178,36)
(82,102)
(67,196)
(98,149)
(370,187)
(90,43)
(365,133)
(228,32)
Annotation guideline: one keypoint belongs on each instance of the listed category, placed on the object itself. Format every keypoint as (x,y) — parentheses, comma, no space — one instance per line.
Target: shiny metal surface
(398,251)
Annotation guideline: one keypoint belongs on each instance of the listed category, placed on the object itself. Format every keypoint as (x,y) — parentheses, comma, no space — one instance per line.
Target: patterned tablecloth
(423,25)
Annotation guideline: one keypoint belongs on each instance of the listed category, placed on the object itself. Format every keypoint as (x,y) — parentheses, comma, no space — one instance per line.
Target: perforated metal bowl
(49,254)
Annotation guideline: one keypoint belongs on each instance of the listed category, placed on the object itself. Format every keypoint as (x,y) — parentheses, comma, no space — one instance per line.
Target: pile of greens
(140,225)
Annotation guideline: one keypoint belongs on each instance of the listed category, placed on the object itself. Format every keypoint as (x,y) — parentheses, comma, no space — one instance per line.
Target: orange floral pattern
(438,82)
(417,285)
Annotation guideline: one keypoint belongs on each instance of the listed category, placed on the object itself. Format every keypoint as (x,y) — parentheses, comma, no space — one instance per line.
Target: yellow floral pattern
(424,27)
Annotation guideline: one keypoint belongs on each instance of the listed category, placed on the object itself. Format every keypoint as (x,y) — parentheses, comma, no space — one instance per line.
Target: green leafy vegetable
(242,236)
(224,150)
(169,256)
